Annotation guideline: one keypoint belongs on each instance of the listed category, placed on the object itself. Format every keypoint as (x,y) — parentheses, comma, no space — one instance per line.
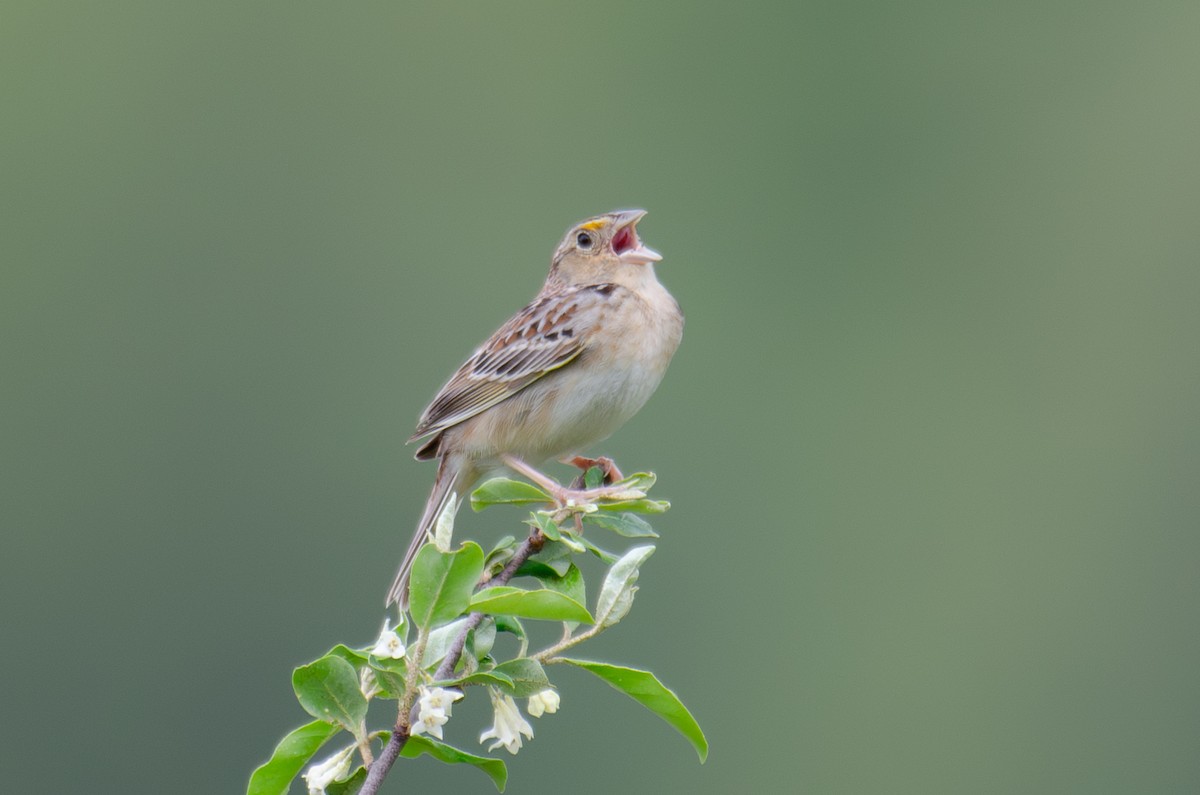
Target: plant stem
(410,681)
(378,770)
(546,655)
(364,748)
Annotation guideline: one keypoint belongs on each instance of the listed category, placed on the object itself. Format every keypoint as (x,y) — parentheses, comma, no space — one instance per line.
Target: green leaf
(506,542)
(350,786)
(554,554)
(637,506)
(513,626)
(328,689)
(542,603)
(604,555)
(473,657)
(616,595)
(538,569)
(641,481)
(625,524)
(542,521)
(482,638)
(391,674)
(500,555)
(572,542)
(440,641)
(294,751)
(502,491)
(644,687)
(570,583)
(527,675)
(593,478)
(442,583)
(420,744)
(355,657)
(493,677)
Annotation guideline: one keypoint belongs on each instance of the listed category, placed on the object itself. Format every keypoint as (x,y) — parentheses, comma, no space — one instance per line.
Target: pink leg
(561,495)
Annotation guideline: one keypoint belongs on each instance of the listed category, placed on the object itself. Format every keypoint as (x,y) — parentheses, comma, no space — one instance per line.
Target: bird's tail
(443,487)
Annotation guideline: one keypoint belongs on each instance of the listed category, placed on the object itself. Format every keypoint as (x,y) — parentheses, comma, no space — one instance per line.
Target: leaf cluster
(459,601)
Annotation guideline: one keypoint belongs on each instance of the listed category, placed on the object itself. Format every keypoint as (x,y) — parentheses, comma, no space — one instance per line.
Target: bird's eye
(583,240)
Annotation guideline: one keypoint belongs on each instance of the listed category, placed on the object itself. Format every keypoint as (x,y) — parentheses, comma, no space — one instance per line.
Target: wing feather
(542,337)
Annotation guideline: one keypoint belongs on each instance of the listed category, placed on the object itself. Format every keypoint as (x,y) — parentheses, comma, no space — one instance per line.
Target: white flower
(389,646)
(322,774)
(368,684)
(508,725)
(433,710)
(545,701)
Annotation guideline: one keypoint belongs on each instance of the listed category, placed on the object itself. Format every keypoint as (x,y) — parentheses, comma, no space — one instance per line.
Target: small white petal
(322,774)
(546,701)
(433,710)
(508,725)
(432,729)
(389,646)
(438,698)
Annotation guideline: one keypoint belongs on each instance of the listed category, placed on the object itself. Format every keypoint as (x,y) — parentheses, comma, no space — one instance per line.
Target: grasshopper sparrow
(562,374)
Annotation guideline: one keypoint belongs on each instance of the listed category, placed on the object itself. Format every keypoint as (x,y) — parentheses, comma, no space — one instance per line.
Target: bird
(560,375)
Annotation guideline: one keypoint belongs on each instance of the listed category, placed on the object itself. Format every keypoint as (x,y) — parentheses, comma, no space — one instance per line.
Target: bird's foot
(570,497)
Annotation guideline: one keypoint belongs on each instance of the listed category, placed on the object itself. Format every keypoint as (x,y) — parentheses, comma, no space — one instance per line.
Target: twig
(550,654)
(391,752)
(410,681)
(378,771)
(364,748)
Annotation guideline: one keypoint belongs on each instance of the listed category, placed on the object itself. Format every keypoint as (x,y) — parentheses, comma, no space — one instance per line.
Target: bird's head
(601,248)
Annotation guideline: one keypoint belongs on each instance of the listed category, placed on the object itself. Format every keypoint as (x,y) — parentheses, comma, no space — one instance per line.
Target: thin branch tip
(378,771)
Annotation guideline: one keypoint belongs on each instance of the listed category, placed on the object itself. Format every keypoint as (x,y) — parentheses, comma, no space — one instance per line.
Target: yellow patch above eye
(592,226)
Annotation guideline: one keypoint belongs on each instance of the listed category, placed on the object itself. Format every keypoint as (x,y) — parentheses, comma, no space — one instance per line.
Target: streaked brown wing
(542,337)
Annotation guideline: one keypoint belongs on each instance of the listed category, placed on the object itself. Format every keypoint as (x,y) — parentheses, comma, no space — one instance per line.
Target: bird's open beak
(627,245)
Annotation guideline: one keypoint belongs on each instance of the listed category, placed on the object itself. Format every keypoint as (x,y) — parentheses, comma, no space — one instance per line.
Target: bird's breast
(617,373)
(567,410)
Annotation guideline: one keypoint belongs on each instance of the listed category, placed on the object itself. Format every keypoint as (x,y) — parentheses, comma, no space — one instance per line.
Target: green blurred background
(931,438)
